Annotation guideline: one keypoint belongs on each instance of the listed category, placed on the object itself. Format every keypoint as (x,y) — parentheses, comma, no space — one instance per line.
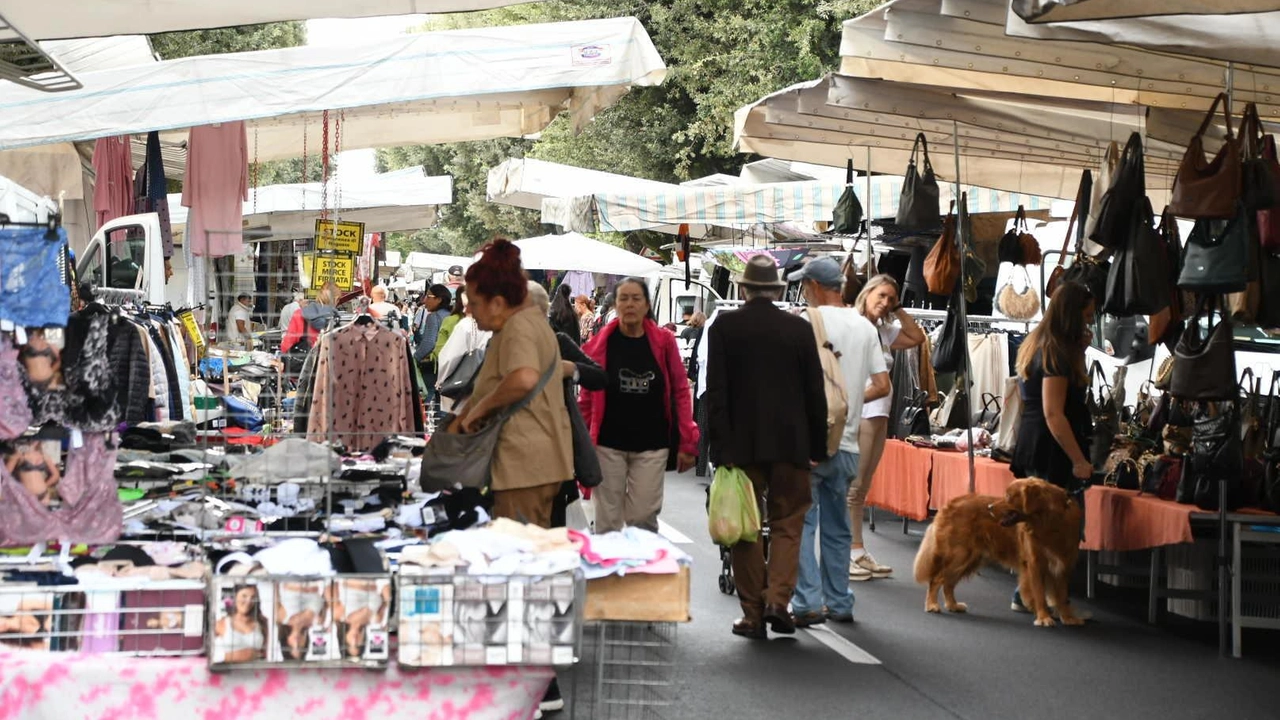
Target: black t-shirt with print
(635,416)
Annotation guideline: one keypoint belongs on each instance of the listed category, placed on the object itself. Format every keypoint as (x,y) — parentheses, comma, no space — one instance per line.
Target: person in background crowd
(586,309)
(456,313)
(767,413)
(436,303)
(693,327)
(606,313)
(1054,432)
(238,323)
(465,338)
(865,376)
(378,305)
(633,419)
(563,318)
(453,279)
(286,312)
(312,319)
(879,303)
(534,453)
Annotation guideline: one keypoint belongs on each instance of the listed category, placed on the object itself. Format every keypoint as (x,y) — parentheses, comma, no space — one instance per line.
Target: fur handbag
(1015,305)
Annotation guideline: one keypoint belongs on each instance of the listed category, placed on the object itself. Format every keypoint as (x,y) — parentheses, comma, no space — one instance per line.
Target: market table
(37,685)
(951,477)
(901,482)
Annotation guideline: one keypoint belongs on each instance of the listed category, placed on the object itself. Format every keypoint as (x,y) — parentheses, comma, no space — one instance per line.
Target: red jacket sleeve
(589,400)
(683,410)
(297,328)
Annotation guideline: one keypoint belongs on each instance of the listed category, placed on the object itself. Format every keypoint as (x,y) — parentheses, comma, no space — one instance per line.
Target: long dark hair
(1059,336)
(459,308)
(562,312)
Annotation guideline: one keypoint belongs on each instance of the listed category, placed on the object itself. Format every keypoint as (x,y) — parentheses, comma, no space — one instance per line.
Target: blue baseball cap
(823,270)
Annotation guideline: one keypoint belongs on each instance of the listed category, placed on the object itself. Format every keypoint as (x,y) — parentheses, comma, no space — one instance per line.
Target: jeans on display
(827,578)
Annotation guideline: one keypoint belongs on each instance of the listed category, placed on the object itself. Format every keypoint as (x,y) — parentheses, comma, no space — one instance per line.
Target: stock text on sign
(338,268)
(340,236)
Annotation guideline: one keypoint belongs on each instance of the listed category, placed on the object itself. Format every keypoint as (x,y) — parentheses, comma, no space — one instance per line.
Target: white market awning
(1058,11)
(427,88)
(572,251)
(100,18)
(397,201)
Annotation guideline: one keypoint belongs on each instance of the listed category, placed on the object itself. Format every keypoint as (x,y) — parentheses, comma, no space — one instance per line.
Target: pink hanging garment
(15,413)
(113,184)
(215,186)
(90,511)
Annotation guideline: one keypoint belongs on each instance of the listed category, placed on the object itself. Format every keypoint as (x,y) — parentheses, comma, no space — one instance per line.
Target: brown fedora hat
(761,271)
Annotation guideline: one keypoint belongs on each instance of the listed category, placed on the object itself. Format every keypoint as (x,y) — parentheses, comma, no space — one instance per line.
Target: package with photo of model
(426,622)
(304,629)
(244,618)
(362,615)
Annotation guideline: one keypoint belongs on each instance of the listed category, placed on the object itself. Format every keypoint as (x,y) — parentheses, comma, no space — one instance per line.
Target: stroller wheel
(726,584)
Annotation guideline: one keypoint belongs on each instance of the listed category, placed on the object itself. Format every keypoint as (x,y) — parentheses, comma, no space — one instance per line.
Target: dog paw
(958,608)
(1045,622)
(1072,620)
(932,609)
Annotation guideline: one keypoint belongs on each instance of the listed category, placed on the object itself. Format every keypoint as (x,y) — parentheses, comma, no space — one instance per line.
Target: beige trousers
(871,437)
(631,494)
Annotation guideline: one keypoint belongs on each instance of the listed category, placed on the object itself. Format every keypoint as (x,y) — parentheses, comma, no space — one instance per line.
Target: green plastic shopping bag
(733,516)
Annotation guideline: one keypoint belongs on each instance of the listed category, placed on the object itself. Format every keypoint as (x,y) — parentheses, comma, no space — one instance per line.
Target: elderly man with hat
(822,592)
(767,416)
(453,279)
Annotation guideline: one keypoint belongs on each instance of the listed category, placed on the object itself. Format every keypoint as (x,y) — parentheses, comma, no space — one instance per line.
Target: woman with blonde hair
(878,302)
(312,319)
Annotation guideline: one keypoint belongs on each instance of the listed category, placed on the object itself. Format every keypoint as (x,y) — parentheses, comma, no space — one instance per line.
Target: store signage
(341,269)
(188,320)
(340,236)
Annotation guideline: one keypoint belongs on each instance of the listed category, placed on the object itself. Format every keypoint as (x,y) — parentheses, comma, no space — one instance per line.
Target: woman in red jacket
(645,412)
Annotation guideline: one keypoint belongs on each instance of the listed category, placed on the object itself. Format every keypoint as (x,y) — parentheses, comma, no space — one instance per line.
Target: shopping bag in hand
(733,516)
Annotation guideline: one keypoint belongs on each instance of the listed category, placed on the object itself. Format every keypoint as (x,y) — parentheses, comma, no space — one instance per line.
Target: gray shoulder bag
(452,459)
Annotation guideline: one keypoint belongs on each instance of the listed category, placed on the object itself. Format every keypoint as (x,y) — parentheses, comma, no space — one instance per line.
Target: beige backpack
(832,383)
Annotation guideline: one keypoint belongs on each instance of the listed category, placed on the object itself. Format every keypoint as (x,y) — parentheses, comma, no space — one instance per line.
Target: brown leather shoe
(779,620)
(752,629)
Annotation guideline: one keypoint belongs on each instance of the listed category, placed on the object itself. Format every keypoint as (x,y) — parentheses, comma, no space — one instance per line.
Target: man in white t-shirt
(822,591)
(238,322)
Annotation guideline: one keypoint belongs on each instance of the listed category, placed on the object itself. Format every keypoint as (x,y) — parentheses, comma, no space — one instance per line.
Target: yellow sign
(343,237)
(341,269)
(193,329)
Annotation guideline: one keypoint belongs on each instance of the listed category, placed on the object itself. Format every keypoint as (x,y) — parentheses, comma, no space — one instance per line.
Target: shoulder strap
(820,334)
(1082,199)
(537,390)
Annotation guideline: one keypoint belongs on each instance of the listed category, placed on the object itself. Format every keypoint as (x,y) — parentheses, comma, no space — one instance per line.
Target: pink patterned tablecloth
(38,685)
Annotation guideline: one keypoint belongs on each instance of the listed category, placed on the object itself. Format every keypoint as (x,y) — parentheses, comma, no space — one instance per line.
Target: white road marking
(673,534)
(843,647)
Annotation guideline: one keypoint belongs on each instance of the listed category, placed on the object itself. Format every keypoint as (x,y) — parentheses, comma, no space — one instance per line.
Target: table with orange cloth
(951,477)
(1125,520)
(901,482)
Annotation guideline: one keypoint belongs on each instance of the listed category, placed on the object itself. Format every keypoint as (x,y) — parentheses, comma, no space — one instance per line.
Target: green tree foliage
(246,38)
(721,55)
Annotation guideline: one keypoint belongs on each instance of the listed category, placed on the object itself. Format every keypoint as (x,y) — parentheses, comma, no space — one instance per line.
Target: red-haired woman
(534,454)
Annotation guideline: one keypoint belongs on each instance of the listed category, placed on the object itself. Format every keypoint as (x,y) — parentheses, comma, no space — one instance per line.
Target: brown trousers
(527,505)
(783,491)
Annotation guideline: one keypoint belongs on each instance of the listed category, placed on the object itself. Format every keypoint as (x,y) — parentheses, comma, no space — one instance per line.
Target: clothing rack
(51,225)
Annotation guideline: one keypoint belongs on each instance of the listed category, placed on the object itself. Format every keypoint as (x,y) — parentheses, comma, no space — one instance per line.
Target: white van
(125,260)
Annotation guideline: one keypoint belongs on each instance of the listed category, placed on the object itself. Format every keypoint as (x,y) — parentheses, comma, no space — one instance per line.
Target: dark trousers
(783,493)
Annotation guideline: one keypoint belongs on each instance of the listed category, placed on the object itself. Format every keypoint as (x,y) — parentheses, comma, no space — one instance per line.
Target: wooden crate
(639,598)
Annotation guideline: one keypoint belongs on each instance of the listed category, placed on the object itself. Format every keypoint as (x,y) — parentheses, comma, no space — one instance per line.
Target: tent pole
(962,240)
(867,215)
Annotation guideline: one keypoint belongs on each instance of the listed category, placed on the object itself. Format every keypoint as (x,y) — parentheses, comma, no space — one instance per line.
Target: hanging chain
(324,167)
(304,161)
(255,169)
(337,182)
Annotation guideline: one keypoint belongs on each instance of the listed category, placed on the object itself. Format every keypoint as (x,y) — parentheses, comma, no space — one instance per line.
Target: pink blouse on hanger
(215,186)
(113,178)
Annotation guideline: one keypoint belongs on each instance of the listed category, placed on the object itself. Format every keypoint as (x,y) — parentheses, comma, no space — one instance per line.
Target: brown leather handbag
(942,265)
(1208,190)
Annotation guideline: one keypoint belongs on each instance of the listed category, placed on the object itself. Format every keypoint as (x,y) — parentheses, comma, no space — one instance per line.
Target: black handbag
(586,463)
(1216,258)
(915,418)
(846,219)
(1268,289)
(1216,457)
(1010,249)
(949,356)
(1260,189)
(1128,187)
(1204,368)
(1138,280)
(1102,410)
(988,418)
(462,378)
(919,206)
(1269,495)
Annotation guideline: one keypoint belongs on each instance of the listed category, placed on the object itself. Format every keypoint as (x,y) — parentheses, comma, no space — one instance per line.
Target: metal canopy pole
(962,241)
(867,215)
(1224,602)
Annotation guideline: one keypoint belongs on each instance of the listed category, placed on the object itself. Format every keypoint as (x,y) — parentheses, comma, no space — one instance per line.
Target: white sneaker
(869,564)
(858,573)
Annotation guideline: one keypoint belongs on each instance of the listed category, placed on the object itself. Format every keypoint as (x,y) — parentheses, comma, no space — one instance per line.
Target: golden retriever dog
(1034,530)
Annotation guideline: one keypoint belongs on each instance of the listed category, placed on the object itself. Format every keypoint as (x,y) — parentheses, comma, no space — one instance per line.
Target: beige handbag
(1106,172)
(1018,305)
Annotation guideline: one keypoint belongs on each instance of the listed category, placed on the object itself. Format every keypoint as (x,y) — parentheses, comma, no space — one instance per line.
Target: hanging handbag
(1271,415)
(1204,368)
(1102,410)
(465,459)
(1106,172)
(988,418)
(1252,434)
(919,203)
(972,267)
(1137,282)
(915,418)
(1081,207)
(949,356)
(1010,415)
(1216,457)
(1216,258)
(1208,190)
(1269,218)
(462,378)
(1128,187)
(1165,325)
(1010,248)
(1162,477)
(942,264)
(1084,269)
(846,219)
(1270,493)
(1260,181)
(1016,305)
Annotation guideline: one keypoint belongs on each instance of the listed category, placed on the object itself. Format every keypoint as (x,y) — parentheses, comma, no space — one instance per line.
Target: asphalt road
(898,662)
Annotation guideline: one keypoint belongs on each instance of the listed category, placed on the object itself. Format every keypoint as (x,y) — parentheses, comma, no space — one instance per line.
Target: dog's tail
(925,555)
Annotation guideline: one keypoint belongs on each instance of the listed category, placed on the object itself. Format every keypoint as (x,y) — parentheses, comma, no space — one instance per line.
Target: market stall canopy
(432,261)
(1248,38)
(962,44)
(572,251)
(100,18)
(396,201)
(1057,11)
(427,88)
